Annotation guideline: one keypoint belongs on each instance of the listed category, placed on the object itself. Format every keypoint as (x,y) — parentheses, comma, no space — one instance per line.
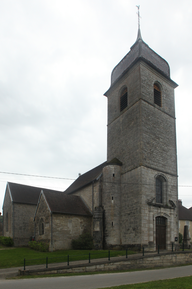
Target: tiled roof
(23,194)
(85,179)
(184,213)
(61,203)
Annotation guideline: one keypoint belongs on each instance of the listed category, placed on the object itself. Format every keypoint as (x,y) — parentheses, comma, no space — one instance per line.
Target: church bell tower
(142,136)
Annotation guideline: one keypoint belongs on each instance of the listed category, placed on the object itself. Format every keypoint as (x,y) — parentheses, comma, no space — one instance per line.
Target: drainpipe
(92,197)
(12,220)
(51,232)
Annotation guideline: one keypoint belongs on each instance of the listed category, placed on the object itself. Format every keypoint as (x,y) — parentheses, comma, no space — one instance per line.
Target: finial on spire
(138,13)
(139,17)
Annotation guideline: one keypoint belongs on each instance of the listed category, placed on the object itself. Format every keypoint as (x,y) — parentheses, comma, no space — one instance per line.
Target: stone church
(132,198)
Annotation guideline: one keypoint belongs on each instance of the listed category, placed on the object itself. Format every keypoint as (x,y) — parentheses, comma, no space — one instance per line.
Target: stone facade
(59,229)
(142,141)
(18,220)
(143,138)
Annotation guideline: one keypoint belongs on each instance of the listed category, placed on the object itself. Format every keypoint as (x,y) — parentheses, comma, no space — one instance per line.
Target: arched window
(157,94)
(123,99)
(160,190)
(41,227)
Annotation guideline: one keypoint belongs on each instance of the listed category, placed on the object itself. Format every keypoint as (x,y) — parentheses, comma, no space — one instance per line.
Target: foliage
(39,246)
(6,241)
(83,242)
(180,238)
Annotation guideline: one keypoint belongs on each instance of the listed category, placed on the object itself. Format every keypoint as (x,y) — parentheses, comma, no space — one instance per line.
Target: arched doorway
(161,232)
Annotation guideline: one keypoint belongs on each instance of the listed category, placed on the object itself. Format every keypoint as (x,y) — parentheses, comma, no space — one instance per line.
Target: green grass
(14,257)
(178,283)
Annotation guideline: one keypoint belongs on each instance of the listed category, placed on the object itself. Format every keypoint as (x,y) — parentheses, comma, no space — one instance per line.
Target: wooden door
(161,233)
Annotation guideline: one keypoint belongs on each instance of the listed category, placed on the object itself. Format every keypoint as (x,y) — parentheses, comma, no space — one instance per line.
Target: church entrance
(161,233)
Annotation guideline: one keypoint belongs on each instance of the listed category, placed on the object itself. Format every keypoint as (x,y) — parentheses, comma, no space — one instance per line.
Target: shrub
(180,238)
(83,242)
(39,246)
(6,241)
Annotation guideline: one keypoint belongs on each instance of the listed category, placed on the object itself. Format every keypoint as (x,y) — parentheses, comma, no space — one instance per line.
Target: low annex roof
(90,176)
(184,213)
(85,179)
(23,194)
(61,203)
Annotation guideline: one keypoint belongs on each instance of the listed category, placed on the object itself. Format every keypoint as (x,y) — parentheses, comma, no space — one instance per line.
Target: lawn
(14,257)
(178,283)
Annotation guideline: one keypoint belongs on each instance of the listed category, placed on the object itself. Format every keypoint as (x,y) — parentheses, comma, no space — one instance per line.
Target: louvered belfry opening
(123,99)
(157,95)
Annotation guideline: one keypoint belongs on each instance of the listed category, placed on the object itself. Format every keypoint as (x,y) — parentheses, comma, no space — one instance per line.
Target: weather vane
(139,17)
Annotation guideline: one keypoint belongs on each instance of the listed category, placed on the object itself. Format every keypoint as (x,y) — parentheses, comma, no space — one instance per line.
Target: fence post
(24,265)
(89,257)
(158,249)
(126,253)
(183,246)
(68,260)
(46,262)
(108,255)
(143,251)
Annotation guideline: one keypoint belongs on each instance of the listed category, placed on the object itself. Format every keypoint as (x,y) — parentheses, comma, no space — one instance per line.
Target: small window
(123,99)
(157,95)
(41,227)
(160,190)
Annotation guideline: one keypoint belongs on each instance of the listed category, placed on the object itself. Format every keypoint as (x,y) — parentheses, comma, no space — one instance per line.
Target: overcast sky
(56,59)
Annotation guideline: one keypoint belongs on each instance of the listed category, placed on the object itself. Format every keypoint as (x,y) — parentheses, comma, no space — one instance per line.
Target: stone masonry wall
(144,135)
(86,195)
(23,223)
(152,261)
(68,227)
(131,196)
(111,200)
(43,213)
(150,210)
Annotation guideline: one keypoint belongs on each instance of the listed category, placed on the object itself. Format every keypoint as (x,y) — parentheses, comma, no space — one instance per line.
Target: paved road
(97,281)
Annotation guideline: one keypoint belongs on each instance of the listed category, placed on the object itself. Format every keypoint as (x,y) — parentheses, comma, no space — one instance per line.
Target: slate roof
(184,213)
(23,194)
(85,179)
(140,51)
(90,176)
(61,203)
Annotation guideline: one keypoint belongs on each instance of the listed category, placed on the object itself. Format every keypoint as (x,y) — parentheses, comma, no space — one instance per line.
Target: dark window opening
(112,224)
(41,227)
(112,198)
(159,190)
(161,221)
(113,175)
(157,95)
(123,99)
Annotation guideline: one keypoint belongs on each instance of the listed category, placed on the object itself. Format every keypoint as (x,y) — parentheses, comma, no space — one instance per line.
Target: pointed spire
(139,30)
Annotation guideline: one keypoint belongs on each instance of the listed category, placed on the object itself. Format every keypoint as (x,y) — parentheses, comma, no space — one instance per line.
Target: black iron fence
(70,258)
(67,259)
